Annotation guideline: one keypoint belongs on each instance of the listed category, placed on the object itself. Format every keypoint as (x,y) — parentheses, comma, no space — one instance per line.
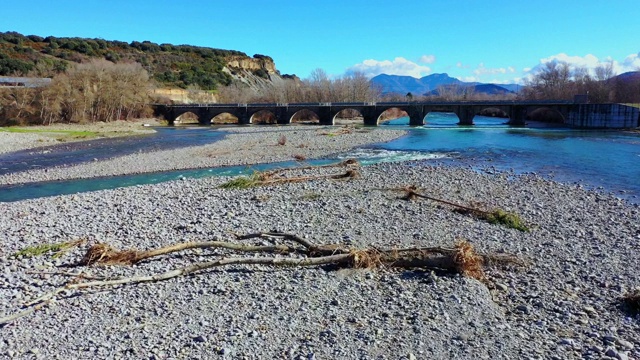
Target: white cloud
(399,66)
(427,59)
(482,70)
(588,61)
(631,63)
(591,62)
(502,81)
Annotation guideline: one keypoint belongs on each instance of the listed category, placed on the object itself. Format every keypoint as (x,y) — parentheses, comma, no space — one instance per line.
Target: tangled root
(102,254)
(467,261)
(409,193)
(366,259)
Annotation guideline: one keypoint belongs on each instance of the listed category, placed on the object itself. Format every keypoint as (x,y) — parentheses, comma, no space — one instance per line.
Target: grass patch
(507,219)
(242,182)
(59,135)
(64,135)
(282,140)
(47,131)
(58,249)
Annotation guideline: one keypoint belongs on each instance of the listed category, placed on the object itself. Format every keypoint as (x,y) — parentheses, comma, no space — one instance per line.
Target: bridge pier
(243,116)
(282,115)
(465,115)
(370,115)
(416,115)
(517,116)
(325,115)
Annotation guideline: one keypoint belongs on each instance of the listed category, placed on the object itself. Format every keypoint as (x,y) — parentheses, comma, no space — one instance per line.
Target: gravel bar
(583,255)
(241,146)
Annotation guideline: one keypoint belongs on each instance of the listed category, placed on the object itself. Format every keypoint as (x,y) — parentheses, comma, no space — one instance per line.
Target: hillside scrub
(170,65)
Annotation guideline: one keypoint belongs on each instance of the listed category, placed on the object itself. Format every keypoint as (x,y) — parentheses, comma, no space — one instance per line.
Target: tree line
(319,87)
(560,81)
(553,81)
(96,91)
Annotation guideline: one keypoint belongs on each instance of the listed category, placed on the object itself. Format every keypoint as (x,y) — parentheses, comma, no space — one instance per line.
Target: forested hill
(171,65)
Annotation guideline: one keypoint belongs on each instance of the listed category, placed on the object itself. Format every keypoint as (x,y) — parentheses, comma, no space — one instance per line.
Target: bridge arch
(493,112)
(391,114)
(348,115)
(187,118)
(263,116)
(441,118)
(224,118)
(304,116)
(545,114)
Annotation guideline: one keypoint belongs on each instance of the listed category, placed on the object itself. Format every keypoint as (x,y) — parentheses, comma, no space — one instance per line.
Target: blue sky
(488,41)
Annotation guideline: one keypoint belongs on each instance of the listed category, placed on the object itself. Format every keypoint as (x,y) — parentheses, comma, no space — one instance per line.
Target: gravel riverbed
(582,253)
(38,136)
(241,146)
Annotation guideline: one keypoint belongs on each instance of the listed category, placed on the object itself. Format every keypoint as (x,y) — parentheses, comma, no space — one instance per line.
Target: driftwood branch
(105,254)
(497,216)
(411,193)
(277,176)
(460,259)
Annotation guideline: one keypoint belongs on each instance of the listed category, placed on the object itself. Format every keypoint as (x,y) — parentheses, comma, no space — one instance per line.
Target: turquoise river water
(606,160)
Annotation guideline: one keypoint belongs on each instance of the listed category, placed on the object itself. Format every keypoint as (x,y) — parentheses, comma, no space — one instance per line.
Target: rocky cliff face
(257,73)
(257,63)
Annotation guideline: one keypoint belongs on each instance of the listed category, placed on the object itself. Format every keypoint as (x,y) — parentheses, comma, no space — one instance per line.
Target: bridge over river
(517,112)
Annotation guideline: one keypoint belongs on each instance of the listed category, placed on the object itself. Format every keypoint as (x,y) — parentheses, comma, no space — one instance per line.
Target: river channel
(604,160)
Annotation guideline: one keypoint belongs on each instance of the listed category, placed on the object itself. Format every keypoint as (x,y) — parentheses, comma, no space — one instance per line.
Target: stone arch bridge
(573,114)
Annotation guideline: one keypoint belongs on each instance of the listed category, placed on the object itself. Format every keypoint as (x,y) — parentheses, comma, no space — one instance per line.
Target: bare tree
(551,82)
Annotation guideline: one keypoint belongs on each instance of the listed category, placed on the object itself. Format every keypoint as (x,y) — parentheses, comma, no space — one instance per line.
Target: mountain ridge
(428,85)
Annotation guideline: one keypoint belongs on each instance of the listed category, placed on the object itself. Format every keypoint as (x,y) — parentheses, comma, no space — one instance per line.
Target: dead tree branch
(496,216)
(460,259)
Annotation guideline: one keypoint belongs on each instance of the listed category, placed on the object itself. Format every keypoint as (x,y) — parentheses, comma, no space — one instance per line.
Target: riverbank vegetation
(90,92)
(560,81)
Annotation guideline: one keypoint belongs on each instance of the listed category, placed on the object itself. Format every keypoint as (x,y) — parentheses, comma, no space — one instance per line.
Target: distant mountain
(459,89)
(405,84)
(514,88)
(629,76)
(491,89)
(429,84)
